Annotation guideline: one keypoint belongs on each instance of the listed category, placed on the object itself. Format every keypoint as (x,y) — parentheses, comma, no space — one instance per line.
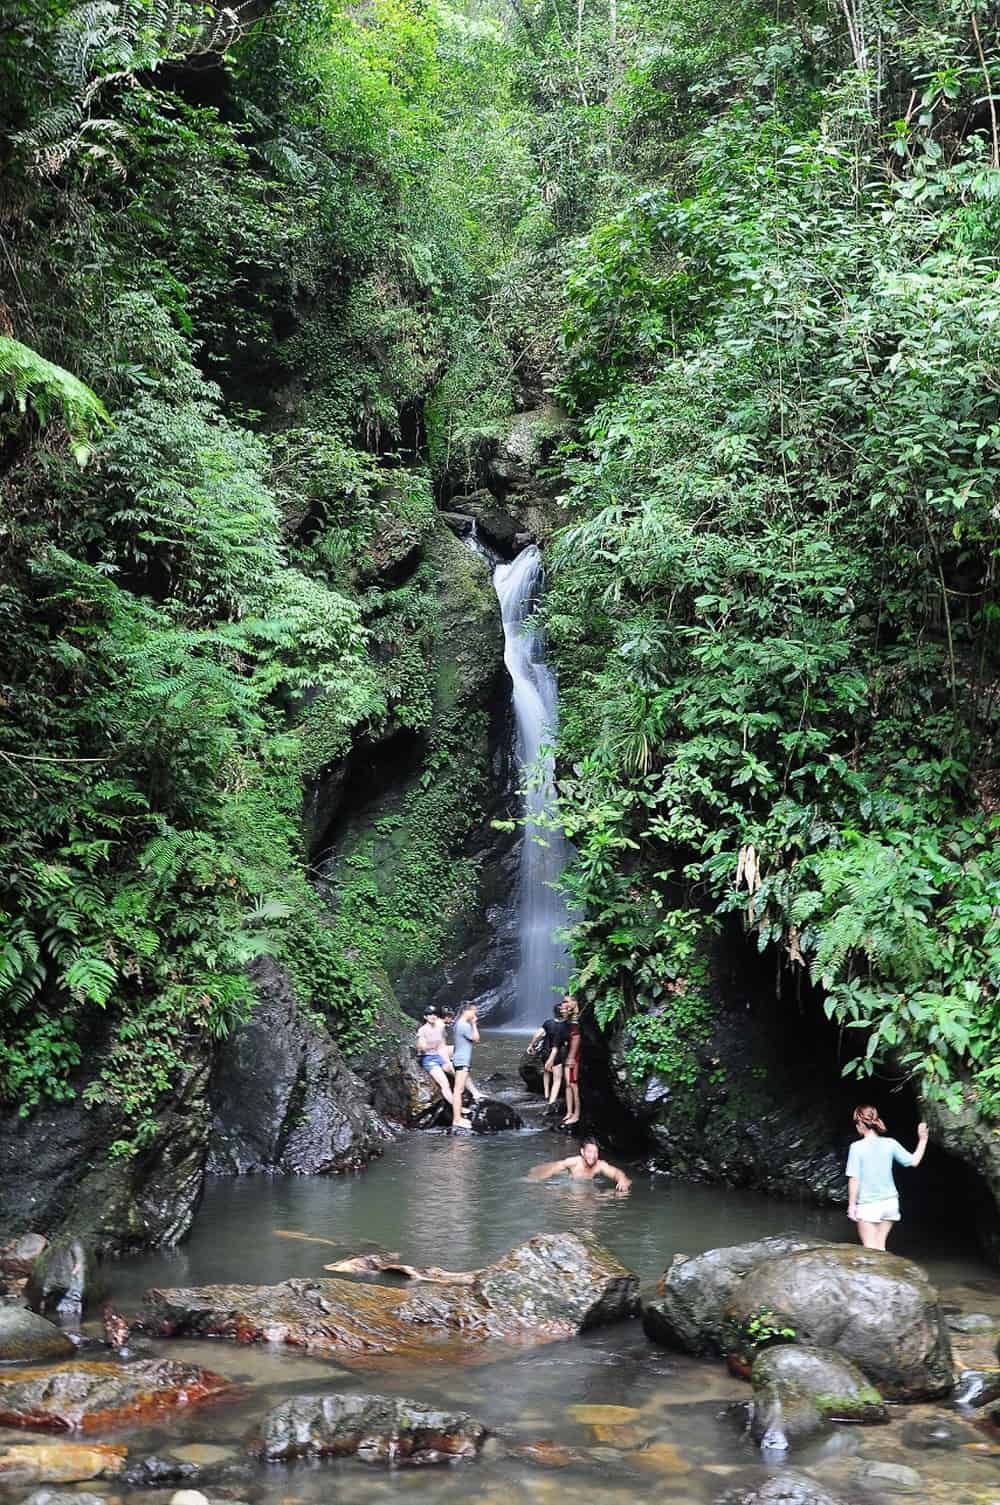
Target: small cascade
(542,911)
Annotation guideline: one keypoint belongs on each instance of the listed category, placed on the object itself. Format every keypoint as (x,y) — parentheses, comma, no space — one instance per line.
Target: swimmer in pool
(585,1166)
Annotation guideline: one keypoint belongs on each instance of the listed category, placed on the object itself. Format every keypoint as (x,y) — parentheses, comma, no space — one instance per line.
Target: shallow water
(459,1202)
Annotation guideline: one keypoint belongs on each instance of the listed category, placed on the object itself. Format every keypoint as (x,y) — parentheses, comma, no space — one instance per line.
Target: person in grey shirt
(465,1033)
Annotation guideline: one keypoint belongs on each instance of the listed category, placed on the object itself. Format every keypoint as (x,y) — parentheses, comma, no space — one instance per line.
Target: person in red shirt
(571,1016)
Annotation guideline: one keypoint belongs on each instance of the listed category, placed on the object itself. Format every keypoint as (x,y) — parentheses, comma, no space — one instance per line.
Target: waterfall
(544,962)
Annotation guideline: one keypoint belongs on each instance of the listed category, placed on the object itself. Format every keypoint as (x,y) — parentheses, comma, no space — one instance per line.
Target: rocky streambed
(787,1369)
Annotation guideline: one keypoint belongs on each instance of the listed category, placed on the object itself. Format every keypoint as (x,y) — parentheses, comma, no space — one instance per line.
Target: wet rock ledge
(553,1286)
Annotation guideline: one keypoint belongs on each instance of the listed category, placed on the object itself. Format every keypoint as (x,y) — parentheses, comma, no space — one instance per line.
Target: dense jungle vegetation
(270,281)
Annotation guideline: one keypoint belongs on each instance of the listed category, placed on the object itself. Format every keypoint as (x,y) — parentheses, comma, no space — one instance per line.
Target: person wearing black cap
(434,1054)
(587,1165)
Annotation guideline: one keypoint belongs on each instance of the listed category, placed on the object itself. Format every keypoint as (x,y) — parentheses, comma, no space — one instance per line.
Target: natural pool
(460,1202)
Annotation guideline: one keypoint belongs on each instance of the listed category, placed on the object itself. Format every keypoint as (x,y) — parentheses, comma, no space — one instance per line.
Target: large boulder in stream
(798,1390)
(91,1397)
(58,1461)
(307,1113)
(490,1115)
(25,1337)
(553,1286)
(876,1309)
(689,1312)
(377,1429)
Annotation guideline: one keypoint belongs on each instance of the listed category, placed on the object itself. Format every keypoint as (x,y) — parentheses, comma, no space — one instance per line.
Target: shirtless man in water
(585,1166)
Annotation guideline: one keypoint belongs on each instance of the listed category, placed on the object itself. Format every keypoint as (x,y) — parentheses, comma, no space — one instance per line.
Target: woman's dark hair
(866,1117)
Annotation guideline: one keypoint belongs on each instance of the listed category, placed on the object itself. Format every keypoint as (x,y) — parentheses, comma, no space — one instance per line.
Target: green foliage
(781,587)
(30,382)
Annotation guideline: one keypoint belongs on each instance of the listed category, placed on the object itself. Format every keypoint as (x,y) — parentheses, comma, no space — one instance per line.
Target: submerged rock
(25,1337)
(89,1397)
(375,1428)
(690,1310)
(58,1462)
(798,1390)
(307,1113)
(47,1496)
(787,1488)
(553,1286)
(889,1478)
(876,1309)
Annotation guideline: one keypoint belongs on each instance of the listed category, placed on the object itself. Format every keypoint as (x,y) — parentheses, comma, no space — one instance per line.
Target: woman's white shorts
(879,1212)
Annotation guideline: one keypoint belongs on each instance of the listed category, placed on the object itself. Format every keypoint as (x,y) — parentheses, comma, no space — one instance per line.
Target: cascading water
(542,912)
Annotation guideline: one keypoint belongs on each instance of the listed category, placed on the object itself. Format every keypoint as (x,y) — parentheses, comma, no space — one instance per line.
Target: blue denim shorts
(431,1059)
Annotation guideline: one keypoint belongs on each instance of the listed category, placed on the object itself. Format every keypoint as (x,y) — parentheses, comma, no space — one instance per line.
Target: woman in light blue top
(872,1199)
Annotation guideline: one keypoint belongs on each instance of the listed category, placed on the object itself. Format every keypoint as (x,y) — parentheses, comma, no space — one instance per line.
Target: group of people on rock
(873,1200)
(561,1050)
(450,1065)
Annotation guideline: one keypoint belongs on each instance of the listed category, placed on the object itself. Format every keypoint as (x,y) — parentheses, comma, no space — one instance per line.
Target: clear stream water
(460,1201)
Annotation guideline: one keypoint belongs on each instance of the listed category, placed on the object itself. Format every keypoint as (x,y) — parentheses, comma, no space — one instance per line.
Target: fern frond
(29,381)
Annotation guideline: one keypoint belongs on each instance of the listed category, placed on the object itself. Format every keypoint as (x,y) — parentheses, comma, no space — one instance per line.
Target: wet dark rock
(553,1286)
(283,1097)
(65,1278)
(25,1337)
(797,1390)
(57,1177)
(695,1293)
(530,1071)
(156,1470)
(973,1140)
(875,1309)
(487,1116)
(888,1478)
(787,1488)
(87,1397)
(971,1322)
(374,1428)
(977,1387)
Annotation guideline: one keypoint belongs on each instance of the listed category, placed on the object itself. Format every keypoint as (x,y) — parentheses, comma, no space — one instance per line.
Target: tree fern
(34,384)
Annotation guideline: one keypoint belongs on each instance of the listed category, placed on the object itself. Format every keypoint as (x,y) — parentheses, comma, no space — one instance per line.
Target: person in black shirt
(555,1034)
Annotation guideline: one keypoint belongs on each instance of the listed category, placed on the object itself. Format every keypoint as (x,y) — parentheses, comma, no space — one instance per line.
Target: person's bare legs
(884,1229)
(869,1234)
(557,1077)
(457,1119)
(572,1105)
(437,1074)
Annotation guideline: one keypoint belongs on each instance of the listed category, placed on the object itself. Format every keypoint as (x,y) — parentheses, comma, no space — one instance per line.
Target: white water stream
(542,913)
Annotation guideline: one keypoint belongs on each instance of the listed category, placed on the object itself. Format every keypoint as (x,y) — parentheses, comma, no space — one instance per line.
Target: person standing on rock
(434,1054)
(571,1017)
(465,1032)
(872,1198)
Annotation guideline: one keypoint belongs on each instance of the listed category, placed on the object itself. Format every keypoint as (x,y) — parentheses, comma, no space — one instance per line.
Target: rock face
(58,1462)
(797,1390)
(553,1286)
(55,1172)
(26,1338)
(975,1142)
(90,1397)
(695,1294)
(283,1098)
(375,1428)
(876,1309)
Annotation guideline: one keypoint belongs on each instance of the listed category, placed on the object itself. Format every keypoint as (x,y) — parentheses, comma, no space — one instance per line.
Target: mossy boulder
(377,1429)
(798,1390)
(24,1337)
(875,1309)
